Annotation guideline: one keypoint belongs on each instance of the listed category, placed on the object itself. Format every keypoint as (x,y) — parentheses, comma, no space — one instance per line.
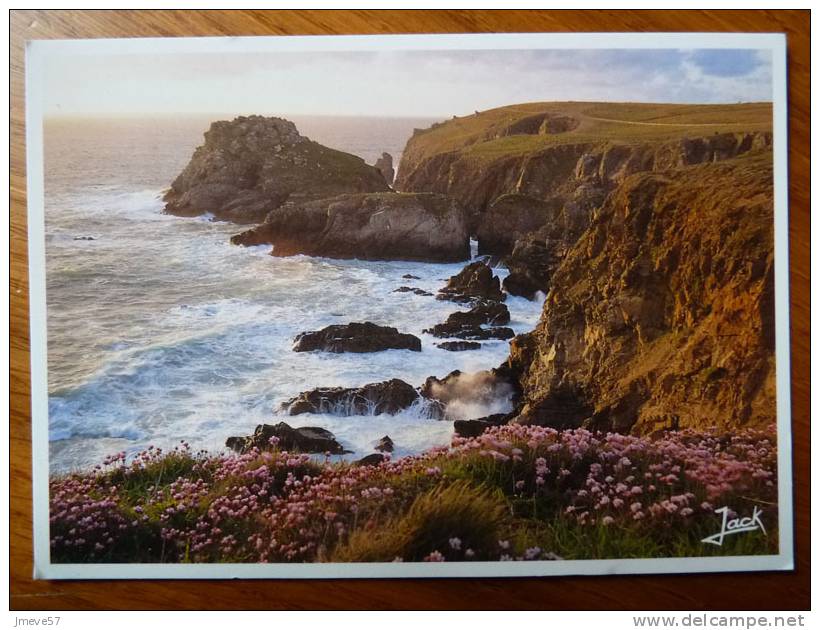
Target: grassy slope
(599,122)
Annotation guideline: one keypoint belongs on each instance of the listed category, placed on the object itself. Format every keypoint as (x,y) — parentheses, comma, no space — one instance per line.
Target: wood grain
(740,591)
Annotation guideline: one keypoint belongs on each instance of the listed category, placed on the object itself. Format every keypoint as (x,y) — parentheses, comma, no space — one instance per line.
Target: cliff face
(253,164)
(661,315)
(565,155)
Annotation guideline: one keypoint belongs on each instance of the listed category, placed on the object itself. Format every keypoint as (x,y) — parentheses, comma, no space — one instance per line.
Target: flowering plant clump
(513,493)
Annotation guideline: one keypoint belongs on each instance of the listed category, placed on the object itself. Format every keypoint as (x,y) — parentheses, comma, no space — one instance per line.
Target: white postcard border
(36,51)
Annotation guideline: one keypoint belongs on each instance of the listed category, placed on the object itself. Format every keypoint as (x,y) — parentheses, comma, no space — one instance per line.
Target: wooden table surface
(775,591)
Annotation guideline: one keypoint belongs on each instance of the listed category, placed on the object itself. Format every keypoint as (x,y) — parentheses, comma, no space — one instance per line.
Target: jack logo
(733,526)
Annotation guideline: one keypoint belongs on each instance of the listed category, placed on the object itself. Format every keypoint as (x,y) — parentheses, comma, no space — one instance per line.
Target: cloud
(397,83)
(727,63)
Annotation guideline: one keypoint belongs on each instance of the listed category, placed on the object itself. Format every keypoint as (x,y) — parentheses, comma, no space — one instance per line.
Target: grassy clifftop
(516,129)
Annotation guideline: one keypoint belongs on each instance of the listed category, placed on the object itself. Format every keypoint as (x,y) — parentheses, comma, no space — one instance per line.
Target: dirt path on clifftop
(656,124)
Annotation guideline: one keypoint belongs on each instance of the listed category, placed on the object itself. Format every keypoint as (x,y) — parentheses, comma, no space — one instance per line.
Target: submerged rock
(356,337)
(475,282)
(303,440)
(410,276)
(253,164)
(379,226)
(415,290)
(372,399)
(459,346)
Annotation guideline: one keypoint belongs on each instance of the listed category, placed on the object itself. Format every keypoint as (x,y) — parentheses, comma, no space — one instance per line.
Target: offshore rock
(372,399)
(303,440)
(374,459)
(465,396)
(385,445)
(459,346)
(468,324)
(475,282)
(356,337)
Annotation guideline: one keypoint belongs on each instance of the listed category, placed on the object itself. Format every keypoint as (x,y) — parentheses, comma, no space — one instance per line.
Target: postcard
(409,306)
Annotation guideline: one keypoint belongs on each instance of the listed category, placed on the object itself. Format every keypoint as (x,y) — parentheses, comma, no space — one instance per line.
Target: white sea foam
(161,330)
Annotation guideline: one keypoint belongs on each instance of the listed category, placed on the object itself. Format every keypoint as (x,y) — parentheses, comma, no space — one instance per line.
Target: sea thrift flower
(532,553)
(270,506)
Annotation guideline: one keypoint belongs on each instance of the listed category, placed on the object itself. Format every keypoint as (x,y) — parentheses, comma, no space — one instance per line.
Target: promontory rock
(383,226)
(253,164)
(356,337)
(372,399)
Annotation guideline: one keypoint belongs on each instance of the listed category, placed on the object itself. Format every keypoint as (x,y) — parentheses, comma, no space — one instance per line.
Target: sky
(395,83)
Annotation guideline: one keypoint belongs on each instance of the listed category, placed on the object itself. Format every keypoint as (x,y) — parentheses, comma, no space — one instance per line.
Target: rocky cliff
(662,313)
(376,226)
(253,164)
(649,229)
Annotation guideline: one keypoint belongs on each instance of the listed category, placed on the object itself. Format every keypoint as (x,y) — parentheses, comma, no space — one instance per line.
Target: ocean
(160,330)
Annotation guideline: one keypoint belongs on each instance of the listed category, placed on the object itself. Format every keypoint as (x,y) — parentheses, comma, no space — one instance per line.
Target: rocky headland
(648,229)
